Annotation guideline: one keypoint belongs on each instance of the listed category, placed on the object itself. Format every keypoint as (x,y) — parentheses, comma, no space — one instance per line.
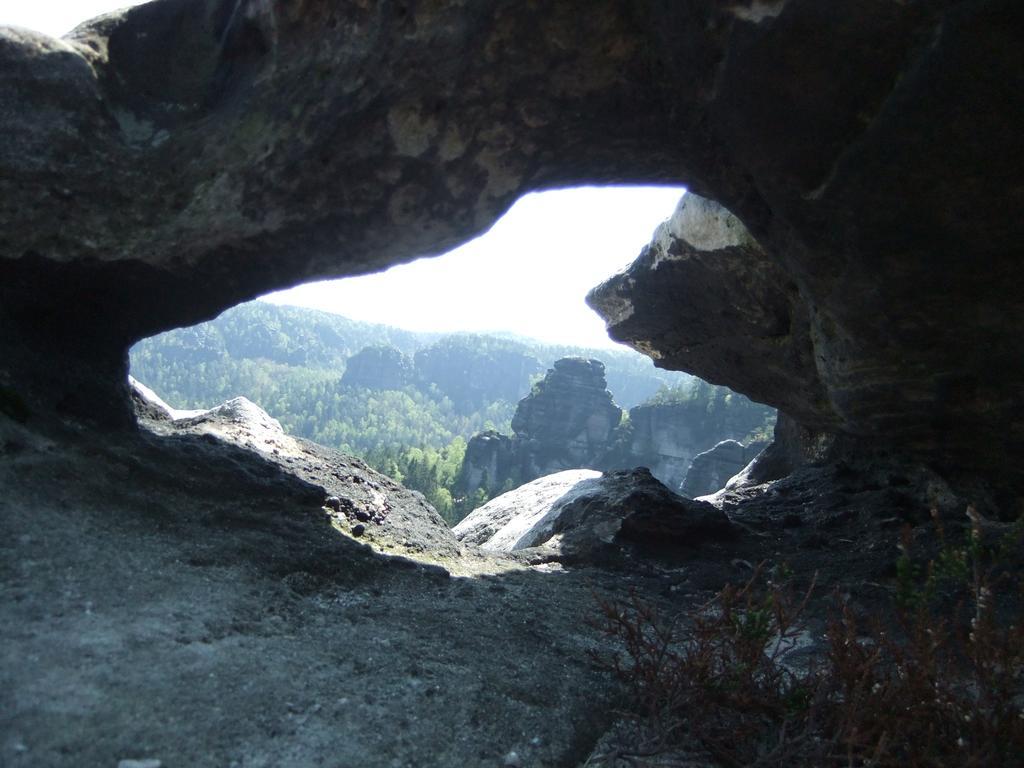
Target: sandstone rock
(712,469)
(705,297)
(250,150)
(792,446)
(567,421)
(582,515)
(489,462)
(523,517)
(666,437)
(242,422)
(356,495)
(568,418)
(378,368)
(147,403)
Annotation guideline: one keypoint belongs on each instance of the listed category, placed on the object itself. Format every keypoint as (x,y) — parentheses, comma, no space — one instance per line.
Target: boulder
(523,517)
(583,515)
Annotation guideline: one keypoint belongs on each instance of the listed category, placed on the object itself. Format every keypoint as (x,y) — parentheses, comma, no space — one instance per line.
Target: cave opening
(466,375)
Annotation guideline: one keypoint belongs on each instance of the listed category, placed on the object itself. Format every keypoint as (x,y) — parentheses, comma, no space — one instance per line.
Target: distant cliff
(379,367)
(474,371)
(666,433)
(570,421)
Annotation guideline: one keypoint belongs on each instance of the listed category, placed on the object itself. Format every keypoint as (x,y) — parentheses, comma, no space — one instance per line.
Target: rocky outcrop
(663,435)
(566,422)
(489,462)
(711,470)
(715,303)
(378,367)
(582,514)
(359,501)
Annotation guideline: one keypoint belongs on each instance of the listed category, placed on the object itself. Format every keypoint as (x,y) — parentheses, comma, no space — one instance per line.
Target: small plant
(941,685)
(717,676)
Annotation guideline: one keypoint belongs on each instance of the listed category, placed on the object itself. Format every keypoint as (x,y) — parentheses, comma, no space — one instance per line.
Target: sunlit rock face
(165,162)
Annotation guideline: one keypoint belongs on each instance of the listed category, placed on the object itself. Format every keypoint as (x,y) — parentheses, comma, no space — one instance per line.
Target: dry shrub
(940,686)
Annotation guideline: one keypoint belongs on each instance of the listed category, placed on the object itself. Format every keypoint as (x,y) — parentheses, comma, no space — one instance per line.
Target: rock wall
(665,438)
(163,163)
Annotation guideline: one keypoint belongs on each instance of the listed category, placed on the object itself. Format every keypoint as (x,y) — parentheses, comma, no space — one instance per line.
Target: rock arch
(166,162)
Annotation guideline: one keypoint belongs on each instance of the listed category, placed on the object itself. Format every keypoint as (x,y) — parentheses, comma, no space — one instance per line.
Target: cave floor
(185,601)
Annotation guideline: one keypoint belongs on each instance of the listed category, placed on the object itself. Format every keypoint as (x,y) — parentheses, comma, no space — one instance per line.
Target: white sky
(528,275)
(56,17)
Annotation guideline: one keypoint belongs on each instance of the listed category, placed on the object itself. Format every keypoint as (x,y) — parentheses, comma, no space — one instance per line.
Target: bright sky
(56,17)
(527,275)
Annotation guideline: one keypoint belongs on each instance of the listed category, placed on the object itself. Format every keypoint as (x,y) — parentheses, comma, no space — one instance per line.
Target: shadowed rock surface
(166,162)
(711,470)
(182,599)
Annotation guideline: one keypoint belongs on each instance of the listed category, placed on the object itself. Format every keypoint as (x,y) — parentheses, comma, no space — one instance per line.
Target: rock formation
(859,254)
(665,437)
(571,421)
(378,367)
(582,514)
(386,514)
(520,518)
(490,460)
(567,422)
(293,141)
(711,470)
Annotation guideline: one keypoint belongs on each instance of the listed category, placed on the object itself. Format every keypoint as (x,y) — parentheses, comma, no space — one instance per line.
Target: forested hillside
(291,361)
